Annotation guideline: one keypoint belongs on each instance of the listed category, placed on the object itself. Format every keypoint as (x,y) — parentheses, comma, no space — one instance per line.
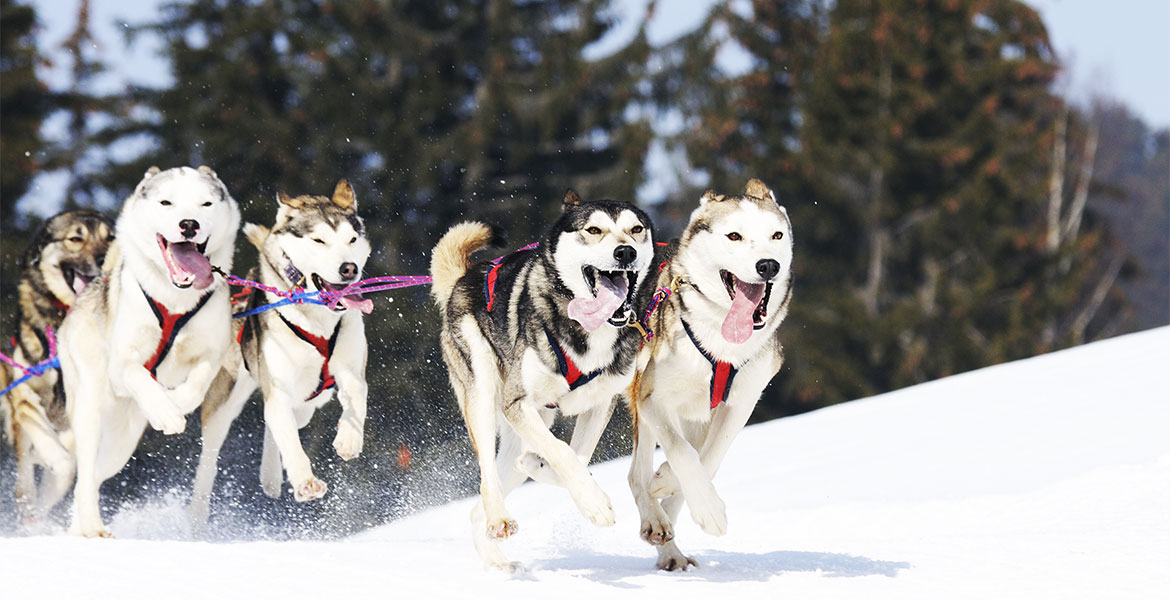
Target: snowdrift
(1043,478)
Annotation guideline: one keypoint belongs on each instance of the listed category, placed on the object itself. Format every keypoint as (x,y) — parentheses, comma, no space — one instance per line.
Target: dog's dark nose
(625,254)
(767,268)
(348,270)
(189,227)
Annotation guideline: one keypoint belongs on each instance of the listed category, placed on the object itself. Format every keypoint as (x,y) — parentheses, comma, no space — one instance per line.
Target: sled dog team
(686,333)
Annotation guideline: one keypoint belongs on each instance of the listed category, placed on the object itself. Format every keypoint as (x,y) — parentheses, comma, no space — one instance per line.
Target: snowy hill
(1043,478)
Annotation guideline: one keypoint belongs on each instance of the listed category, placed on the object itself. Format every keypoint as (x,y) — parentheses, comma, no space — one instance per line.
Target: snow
(1043,478)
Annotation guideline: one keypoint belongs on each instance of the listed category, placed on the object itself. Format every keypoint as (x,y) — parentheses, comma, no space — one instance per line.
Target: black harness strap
(722,373)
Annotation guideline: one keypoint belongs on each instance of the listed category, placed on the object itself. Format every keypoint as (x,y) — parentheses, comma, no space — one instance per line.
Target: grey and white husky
(716,345)
(143,341)
(297,354)
(540,330)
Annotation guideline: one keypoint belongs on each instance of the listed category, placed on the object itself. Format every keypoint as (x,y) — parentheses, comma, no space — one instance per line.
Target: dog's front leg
(281,421)
(727,420)
(129,378)
(707,508)
(349,365)
(520,409)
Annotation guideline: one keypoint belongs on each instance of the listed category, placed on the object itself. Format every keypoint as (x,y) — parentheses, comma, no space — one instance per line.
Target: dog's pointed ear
(758,189)
(256,234)
(206,170)
(284,199)
(151,172)
(344,197)
(571,198)
(710,196)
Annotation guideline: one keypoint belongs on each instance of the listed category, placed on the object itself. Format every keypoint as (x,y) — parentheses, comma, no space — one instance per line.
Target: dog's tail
(452,255)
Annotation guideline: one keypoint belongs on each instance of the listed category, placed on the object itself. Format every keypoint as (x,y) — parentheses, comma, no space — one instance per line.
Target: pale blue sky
(1118,49)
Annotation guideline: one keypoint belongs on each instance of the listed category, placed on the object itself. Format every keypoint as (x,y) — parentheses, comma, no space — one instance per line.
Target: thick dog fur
(111,334)
(750,238)
(502,364)
(65,255)
(323,240)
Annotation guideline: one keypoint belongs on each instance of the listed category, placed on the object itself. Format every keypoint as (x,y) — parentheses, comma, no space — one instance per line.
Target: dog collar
(59,305)
(722,373)
(293,274)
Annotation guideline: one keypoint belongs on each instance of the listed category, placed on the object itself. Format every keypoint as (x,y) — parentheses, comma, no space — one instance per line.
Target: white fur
(673,406)
(110,396)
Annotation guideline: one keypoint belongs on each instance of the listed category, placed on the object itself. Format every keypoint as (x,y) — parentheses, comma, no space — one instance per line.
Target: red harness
(324,347)
(170,323)
(722,373)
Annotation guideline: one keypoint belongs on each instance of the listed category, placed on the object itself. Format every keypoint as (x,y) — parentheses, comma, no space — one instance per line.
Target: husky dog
(65,255)
(144,341)
(297,354)
(539,330)
(716,345)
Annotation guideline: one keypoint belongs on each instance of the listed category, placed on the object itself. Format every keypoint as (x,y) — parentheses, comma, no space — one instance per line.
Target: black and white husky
(540,330)
(716,345)
(143,341)
(297,354)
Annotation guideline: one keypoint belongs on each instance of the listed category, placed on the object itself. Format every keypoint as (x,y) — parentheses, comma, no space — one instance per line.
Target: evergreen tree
(24,102)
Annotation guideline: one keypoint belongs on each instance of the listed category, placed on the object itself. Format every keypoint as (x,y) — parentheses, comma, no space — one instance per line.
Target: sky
(1118,49)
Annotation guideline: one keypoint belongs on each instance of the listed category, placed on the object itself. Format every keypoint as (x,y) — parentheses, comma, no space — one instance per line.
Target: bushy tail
(452,256)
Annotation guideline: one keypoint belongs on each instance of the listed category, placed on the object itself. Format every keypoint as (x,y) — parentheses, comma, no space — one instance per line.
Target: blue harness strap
(722,373)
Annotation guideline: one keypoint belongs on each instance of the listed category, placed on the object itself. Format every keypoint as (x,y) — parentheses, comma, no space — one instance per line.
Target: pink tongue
(79,284)
(737,326)
(363,304)
(188,258)
(591,313)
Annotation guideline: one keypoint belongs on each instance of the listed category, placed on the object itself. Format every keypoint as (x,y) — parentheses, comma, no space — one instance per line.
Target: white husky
(144,341)
(716,346)
(296,354)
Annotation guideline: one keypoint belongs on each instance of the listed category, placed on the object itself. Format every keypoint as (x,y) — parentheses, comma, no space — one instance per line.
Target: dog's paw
(532,465)
(348,442)
(673,560)
(310,489)
(500,529)
(97,532)
(168,420)
(594,504)
(710,513)
(657,530)
(664,484)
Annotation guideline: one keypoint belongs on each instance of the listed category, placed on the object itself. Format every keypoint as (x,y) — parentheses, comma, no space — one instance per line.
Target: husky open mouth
(749,307)
(613,294)
(75,278)
(186,263)
(351,300)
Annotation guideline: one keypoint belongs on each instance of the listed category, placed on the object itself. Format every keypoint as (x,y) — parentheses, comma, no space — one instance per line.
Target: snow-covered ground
(1044,478)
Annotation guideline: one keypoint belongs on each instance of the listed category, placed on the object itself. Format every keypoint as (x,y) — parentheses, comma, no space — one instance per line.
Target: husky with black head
(144,340)
(716,344)
(297,354)
(65,255)
(541,330)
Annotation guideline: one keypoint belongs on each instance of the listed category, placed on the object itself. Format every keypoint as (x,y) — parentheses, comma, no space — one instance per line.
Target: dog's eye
(76,240)
(208,203)
(594,230)
(353,240)
(735,237)
(779,235)
(165,202)
(637,229)
(319,241)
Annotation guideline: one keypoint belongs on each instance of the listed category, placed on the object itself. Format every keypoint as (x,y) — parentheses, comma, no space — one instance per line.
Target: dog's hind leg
(511,447)
(657,527)
(226,398)
(670,558)
(25,487)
